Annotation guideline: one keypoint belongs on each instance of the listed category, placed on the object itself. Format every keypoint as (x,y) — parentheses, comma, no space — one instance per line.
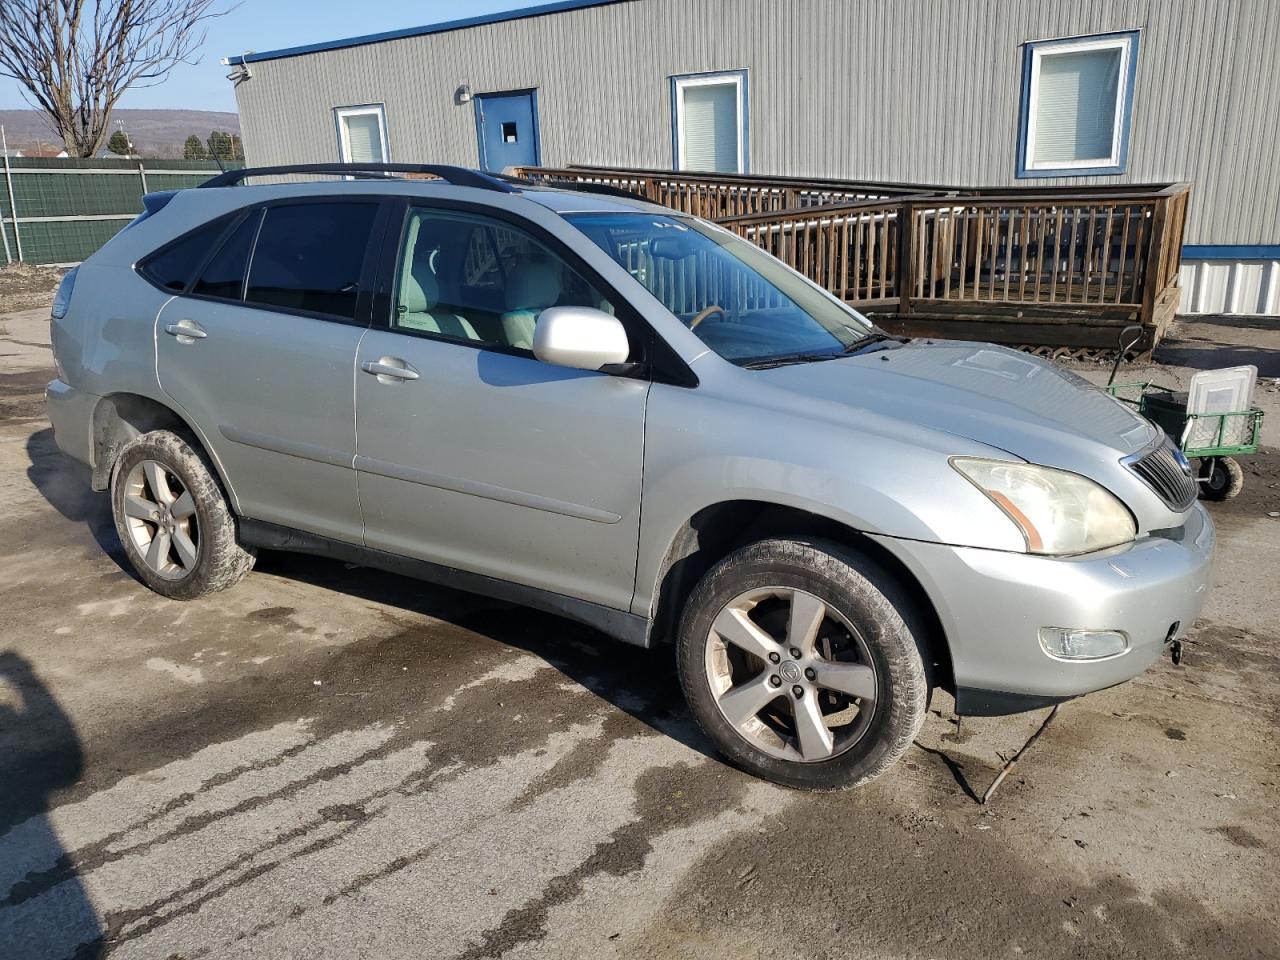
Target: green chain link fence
(67,209)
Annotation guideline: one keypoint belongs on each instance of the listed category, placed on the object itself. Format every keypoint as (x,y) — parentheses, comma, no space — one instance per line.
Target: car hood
(1029,407)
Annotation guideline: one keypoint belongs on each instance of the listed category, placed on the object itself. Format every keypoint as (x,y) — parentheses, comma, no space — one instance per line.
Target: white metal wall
(1246,287)
(920,90)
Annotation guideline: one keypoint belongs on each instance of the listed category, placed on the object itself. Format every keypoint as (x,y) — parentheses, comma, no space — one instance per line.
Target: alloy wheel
(160,518)
(791,674)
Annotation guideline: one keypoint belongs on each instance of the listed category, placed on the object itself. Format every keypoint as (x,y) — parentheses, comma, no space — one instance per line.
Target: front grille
(1162,471)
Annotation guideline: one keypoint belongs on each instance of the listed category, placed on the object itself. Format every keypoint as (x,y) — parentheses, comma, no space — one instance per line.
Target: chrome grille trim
(1160,470)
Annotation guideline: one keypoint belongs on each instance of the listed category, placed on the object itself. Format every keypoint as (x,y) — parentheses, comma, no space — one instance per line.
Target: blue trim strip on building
(1028,53)
(1231,251)
(521,13)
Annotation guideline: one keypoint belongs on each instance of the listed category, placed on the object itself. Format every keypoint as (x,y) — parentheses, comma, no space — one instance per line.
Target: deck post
(1151,279)
(906,257)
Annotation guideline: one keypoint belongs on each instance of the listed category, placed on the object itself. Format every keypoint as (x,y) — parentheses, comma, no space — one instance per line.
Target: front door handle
(186,331)
(389,368)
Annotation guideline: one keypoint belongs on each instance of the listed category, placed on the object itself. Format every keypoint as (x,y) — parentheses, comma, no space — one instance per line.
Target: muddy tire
(802,661)
(1221,478)
(173,518)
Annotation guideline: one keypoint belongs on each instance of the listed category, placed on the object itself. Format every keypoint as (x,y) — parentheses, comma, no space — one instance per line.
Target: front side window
(476,279)
(710,117)
(1076,105)
(309,257)
(362,134)
(742,303)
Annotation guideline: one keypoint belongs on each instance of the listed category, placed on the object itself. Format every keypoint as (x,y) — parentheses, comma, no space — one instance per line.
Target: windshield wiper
(871,339)
(768,363)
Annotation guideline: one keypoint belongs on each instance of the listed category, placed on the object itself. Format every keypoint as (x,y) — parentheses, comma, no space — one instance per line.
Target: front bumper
(992,605)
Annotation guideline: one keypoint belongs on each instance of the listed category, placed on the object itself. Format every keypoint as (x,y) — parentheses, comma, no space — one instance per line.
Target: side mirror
(579,337)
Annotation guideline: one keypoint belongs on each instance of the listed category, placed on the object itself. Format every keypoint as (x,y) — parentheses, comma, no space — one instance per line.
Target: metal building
(966,92)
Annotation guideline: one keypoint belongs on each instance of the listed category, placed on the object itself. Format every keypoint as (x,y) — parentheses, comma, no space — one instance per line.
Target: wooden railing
(713,195)
(1044,268)
(851,249)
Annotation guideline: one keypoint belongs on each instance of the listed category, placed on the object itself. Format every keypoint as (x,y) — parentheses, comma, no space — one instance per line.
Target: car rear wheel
(173,519)
(799,659)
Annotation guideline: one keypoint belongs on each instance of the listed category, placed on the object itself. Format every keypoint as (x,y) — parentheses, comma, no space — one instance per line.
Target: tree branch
(74,59)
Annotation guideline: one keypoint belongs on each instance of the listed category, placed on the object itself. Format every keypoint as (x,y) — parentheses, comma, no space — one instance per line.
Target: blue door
(507,124)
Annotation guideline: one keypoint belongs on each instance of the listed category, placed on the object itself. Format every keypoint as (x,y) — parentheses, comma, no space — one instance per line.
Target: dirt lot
(24,286)
(329,761)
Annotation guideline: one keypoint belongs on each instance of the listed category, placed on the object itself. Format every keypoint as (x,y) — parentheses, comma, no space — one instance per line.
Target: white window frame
(739,80)
(1115,161)
(344,145)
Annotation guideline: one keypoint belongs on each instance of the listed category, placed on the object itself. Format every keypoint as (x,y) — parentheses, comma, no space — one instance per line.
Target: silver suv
(632,418)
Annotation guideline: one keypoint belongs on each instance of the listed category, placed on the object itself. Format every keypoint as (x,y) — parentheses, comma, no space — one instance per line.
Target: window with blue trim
(1077,103)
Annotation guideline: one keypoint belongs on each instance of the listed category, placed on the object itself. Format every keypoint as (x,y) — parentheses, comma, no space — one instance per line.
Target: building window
(1077,98)
(362,134)
(709,121)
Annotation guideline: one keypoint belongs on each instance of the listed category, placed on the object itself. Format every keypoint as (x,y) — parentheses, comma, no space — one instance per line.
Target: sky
(270,25)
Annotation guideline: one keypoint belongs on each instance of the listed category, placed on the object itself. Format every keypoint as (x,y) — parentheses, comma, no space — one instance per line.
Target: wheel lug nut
(810,674)
(775,681)
(798,691)
(774,658)
(795,654)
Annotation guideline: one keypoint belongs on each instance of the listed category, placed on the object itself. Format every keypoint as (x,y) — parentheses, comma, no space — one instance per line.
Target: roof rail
(458,176)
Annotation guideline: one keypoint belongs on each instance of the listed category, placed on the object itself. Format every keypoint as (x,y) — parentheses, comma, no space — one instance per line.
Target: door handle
(186,329)
(391,367)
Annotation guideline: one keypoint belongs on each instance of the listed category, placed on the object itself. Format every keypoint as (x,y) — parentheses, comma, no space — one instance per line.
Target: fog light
(1068,644)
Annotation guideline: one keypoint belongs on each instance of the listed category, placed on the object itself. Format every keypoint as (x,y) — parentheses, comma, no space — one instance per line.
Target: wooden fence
(1059,269)
(714,195)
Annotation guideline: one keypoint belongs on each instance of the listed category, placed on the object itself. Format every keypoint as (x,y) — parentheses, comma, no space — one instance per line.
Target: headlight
(1058,512)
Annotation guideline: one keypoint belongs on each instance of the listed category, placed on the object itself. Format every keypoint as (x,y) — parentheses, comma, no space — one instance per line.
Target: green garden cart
(1212,440)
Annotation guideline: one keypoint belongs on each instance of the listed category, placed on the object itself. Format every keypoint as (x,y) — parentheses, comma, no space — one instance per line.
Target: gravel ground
(328,761)
(24,286)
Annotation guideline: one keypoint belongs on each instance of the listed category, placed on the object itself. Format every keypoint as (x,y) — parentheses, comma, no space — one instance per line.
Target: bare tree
(74,58)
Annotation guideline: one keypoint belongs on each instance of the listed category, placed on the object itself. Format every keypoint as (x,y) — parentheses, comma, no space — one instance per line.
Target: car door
(260,352)
(471,452)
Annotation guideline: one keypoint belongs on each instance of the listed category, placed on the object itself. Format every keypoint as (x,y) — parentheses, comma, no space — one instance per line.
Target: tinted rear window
(224,275)
(174,266)
(309,256)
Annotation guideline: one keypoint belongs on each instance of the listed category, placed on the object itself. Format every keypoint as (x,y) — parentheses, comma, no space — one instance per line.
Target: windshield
(742,303)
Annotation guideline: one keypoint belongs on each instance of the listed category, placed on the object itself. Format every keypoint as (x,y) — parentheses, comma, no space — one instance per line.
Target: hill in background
(155,133)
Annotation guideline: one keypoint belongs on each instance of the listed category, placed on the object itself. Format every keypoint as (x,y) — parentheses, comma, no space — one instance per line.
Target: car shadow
(642,683)
(64,483)
(40,754)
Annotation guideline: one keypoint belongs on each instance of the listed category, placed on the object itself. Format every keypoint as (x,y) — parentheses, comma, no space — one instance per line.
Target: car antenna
(214,153)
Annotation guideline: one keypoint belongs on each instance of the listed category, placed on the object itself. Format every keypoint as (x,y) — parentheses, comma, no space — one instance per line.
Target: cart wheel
(1221,478)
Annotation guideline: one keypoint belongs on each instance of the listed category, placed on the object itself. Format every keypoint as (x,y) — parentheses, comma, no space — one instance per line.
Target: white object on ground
(1220,391)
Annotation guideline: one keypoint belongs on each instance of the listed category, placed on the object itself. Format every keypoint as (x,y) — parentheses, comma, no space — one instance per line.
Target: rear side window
(175,265)
(309,257)
(223,277)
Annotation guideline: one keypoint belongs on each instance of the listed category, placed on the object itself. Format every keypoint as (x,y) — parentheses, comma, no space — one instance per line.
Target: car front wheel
(801,660)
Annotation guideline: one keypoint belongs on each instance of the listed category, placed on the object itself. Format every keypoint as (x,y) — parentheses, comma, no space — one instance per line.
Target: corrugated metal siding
(1245,287)
(925,90)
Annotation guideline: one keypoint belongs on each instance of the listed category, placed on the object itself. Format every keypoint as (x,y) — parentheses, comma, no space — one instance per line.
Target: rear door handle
(392,368)
(186,330)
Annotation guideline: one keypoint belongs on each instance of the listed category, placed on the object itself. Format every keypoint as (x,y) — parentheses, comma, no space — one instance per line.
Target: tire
(1222,478)
(202,554)
(868,640)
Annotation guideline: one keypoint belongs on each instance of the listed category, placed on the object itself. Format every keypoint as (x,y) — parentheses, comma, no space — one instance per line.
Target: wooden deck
(1058,269)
